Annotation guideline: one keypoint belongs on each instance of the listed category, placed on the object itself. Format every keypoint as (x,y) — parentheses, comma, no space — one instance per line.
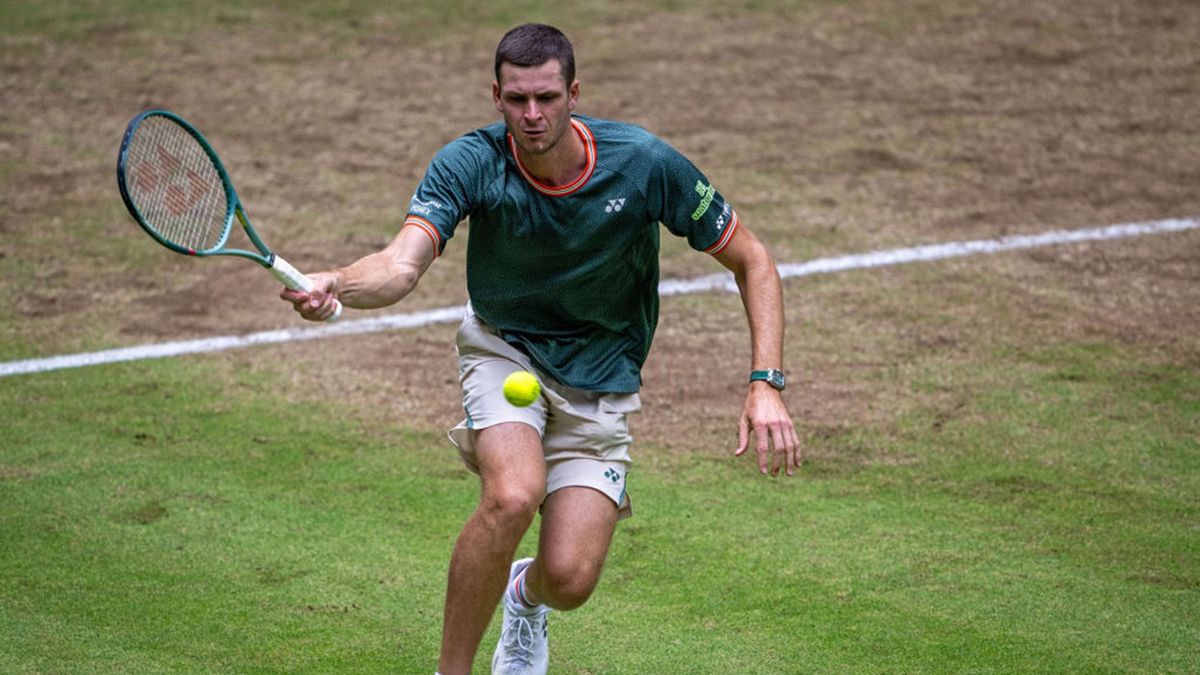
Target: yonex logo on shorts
(612,475)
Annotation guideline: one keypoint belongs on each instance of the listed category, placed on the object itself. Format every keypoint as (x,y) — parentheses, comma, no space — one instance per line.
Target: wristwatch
(773,377)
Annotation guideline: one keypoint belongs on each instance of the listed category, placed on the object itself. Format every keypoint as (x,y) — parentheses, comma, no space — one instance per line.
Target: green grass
(165,517)
(212,529)
(1024,498)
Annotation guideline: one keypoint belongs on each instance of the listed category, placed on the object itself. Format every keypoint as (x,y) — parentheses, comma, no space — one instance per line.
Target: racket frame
(283,271)
(233,204)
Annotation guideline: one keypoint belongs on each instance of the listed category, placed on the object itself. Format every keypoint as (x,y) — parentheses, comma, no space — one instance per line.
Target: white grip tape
(293,279)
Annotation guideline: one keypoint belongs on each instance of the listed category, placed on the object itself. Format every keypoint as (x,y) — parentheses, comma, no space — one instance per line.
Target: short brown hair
(534,44)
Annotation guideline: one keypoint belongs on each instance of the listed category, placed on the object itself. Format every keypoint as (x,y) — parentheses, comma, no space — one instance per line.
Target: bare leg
(577,528)
(512,472)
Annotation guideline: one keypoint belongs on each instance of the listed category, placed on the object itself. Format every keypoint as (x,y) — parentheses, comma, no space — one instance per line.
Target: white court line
(713,282)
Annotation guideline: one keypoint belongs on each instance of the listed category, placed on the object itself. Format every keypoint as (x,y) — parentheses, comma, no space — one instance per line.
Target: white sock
(517,590)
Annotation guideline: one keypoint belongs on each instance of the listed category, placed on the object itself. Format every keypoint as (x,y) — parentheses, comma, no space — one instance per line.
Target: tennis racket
(176,188)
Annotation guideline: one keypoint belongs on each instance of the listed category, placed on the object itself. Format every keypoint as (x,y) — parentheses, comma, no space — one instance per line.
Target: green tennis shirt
(569,274)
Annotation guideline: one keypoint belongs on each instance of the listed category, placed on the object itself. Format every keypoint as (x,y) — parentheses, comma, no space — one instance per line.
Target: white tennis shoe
(523,648)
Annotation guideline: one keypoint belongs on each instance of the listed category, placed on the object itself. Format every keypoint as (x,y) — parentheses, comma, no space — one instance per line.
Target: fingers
(777,447)
(764,449)
(776,443)
(314,306)
(787,449)
(783,454)
(293,296)
(796,458)
(743,436)
(320,306)
(320,302)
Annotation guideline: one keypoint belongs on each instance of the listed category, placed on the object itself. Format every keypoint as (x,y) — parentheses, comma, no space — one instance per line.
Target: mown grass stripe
(712,282)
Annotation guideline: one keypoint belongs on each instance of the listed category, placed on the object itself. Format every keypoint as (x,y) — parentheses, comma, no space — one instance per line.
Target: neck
(560,165)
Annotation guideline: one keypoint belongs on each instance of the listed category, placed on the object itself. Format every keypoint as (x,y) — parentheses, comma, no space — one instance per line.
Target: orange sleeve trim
(428,228)
(726,236)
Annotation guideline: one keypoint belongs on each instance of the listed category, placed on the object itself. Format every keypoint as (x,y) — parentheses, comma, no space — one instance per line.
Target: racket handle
(295,280)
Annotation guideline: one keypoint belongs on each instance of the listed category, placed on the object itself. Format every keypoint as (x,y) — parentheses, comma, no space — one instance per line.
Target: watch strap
(771,376)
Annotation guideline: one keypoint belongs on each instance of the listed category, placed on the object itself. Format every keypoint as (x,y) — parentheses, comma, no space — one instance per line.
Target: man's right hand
(317,304)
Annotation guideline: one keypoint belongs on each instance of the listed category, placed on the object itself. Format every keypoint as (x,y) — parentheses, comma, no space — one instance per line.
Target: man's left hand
(766,416)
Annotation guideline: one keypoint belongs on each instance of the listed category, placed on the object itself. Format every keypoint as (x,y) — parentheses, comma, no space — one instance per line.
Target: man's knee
(513,473)
(512,506)
(569,581)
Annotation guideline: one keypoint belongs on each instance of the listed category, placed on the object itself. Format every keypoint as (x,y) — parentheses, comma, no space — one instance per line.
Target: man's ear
(496,96)
(573,95)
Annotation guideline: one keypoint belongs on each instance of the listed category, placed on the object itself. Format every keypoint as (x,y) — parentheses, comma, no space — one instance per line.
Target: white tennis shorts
(585,435)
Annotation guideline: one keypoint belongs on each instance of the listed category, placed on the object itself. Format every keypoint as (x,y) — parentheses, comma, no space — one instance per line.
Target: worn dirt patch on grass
(833,129)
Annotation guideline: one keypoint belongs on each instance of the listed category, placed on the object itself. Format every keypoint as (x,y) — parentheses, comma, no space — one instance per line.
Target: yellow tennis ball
(521,388)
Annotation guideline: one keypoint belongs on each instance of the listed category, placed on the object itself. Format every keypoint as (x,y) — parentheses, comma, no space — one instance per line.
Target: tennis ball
(521,388)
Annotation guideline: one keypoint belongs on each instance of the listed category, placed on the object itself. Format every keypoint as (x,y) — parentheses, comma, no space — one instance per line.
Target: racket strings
(174,184)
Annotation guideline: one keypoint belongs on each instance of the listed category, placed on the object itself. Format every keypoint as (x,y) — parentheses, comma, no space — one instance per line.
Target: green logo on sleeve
(706,193)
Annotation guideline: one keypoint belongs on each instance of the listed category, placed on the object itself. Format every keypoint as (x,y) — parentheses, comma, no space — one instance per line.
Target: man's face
(536,104)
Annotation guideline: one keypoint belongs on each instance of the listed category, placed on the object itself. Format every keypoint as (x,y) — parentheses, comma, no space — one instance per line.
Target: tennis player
(562,273)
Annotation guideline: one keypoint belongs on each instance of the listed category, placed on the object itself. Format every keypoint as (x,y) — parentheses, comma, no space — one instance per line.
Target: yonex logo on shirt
(615,205)
(723,217)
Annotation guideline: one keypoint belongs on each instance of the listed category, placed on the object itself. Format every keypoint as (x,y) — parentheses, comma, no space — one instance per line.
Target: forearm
(762,297)
(385,277)
(376,280)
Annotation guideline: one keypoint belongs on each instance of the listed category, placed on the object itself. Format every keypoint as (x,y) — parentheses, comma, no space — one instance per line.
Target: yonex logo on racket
(182,188)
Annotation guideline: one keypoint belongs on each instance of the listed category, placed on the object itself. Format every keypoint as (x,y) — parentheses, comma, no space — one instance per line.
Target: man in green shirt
(562,273)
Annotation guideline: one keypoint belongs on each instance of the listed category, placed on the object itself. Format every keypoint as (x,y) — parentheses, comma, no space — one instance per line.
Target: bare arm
(377,280)
(765,414)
